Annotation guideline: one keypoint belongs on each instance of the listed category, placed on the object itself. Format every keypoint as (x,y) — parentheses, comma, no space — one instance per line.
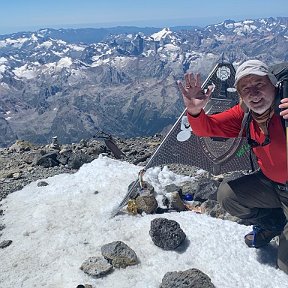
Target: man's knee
(229,200)
(282,266)
(224,195)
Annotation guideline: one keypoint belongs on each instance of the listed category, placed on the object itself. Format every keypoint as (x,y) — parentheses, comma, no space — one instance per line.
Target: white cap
(254,67)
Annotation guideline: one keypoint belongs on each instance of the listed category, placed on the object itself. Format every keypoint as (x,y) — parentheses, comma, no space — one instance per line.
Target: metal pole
(285,95)
(286,127)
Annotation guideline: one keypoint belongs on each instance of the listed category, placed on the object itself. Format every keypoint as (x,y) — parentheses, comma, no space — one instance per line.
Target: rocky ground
(24,162)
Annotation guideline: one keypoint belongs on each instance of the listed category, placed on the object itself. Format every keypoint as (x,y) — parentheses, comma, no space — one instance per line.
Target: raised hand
(194,97)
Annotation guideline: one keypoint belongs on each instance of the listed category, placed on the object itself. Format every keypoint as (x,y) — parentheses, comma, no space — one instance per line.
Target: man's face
(257,92)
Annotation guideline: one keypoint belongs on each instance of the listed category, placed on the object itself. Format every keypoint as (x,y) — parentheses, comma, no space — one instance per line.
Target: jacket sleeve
(225,124)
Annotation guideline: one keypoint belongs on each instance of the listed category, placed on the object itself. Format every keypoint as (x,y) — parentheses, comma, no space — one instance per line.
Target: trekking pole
(286,127)
(284,92)
(285,95)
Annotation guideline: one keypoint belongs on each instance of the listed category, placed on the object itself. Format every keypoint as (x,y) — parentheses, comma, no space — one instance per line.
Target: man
(261,197)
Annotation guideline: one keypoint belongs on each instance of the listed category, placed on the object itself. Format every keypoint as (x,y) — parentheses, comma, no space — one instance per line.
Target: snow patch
(4,85)
(46,44)
(2,68)
(76,47)
(161,34)
(64,62)
(25,72)
(120,61)
(3,60)
(34,37)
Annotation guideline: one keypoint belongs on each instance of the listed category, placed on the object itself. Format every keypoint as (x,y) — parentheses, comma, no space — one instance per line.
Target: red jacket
(271,158)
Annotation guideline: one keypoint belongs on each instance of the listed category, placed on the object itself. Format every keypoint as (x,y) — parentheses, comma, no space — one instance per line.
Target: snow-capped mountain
(61,82)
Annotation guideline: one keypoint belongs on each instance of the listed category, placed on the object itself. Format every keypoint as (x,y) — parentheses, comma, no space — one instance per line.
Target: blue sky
(22,15)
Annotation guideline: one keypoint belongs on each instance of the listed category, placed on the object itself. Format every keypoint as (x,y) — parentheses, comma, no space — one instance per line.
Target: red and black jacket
(271,158)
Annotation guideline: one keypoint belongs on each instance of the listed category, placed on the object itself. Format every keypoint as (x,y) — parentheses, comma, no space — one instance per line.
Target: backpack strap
(244,123)
(248,137)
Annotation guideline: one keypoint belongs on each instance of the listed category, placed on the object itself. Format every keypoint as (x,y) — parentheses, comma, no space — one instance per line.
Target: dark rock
(213,209)
(119,254)
(144,189)
(5,244)
(176,202)
(147,204)
(28,158)
(207,189)
(77,160)
(166,201)
(142,159)
(172,188)
(186,187)
(48,160)
(166,234)
(192,278)
(42,183)
(21,146)
(64,156)
(96,266)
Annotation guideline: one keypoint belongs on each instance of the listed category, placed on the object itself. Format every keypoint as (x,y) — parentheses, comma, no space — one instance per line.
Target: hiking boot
(260,237)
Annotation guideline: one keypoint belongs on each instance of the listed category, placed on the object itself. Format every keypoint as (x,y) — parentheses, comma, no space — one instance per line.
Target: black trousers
(262,202)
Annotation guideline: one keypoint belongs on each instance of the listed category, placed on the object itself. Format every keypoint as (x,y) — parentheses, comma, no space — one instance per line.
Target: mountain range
(73,83)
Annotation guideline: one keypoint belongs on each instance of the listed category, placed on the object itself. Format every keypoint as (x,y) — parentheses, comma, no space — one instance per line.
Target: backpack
(280,71)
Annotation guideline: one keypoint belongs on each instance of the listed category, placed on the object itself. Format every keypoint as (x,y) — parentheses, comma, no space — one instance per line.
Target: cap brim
(247,73)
